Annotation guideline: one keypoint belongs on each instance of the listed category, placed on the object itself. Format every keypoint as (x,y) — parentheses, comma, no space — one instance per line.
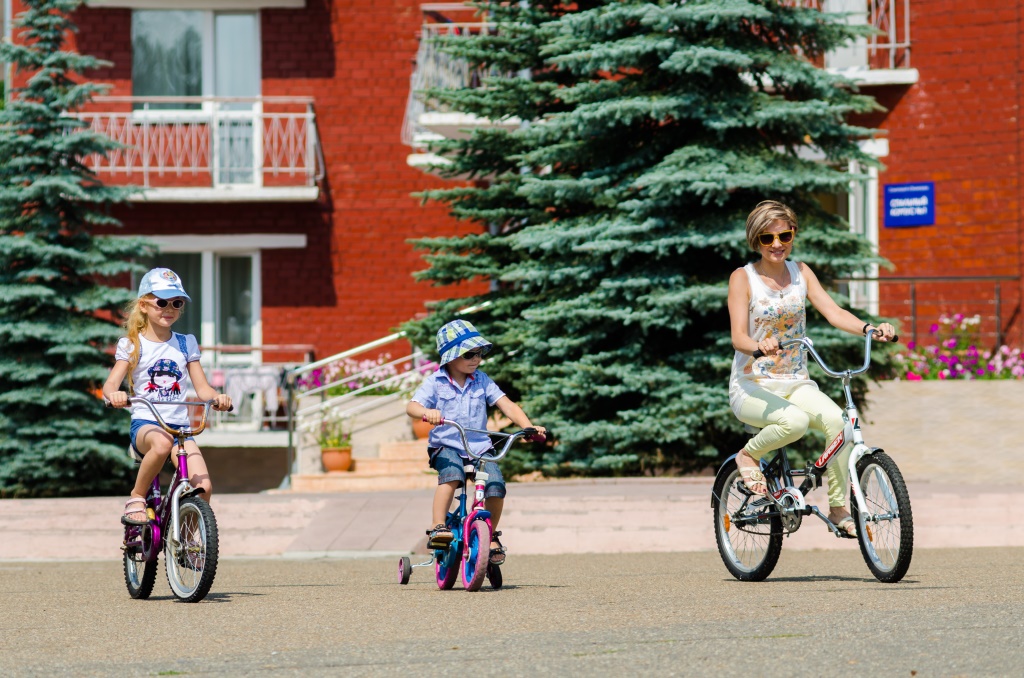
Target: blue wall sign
(909,204)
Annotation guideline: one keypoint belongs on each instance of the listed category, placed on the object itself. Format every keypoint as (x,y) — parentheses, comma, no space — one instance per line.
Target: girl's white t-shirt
(162,374)
(780,314)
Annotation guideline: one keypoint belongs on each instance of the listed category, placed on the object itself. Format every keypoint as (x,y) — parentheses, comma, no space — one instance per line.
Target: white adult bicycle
(749,528)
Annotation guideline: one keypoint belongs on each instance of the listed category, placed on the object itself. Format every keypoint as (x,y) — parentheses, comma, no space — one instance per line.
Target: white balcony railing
(887,49)
(263,145)
(426,120)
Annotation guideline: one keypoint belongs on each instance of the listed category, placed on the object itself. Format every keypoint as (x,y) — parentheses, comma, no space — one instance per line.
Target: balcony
(882,59)
(209,149)
(427,120)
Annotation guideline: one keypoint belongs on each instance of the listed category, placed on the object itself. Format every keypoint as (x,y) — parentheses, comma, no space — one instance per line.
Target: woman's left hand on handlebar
(886,331)
(222,402)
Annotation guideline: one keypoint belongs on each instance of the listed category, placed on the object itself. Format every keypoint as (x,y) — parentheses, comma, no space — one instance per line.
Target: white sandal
(751,476)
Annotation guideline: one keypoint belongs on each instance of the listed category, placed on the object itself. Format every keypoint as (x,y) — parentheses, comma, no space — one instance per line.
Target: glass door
(237,74)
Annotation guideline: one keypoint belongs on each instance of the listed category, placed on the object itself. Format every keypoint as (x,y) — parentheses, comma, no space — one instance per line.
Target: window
(225,307)
(195,53)
(167,55)
(177,53)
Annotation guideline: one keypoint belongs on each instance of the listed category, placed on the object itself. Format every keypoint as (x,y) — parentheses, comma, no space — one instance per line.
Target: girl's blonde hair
(135,323)
(762,217)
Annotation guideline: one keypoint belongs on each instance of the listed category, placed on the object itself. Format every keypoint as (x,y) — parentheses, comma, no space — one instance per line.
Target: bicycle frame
(788,498)
(166,514)
(472,467)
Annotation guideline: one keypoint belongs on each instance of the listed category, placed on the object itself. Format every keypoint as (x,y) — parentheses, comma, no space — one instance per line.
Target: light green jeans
(784,420)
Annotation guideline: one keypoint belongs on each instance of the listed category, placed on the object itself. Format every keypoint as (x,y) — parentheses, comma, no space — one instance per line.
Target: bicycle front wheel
(192,564)
(477,556)
(749,538)
(886,529)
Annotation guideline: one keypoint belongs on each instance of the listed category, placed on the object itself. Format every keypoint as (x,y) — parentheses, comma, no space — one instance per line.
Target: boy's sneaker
(439,537)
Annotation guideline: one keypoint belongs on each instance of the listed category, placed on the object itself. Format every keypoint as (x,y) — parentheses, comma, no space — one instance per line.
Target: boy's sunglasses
(785,237)
(175,303)
(473,355)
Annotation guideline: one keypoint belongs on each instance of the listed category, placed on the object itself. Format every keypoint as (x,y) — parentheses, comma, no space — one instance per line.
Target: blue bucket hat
(457,338)
(162,283)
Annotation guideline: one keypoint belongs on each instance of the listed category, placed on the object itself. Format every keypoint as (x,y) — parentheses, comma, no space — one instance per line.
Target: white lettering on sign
(908,207)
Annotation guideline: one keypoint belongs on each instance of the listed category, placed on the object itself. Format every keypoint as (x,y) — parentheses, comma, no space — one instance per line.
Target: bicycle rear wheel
(749,541)
(139,575)
(192,565)
(886,536)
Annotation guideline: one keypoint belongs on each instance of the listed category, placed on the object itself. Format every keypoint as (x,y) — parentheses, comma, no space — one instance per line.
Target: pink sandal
(128,511)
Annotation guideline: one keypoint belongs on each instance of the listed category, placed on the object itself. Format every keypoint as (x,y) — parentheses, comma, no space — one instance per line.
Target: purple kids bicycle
(181,524)
(470,549)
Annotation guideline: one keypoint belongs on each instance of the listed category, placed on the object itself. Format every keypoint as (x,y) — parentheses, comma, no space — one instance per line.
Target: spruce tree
(56,438)
(611,218)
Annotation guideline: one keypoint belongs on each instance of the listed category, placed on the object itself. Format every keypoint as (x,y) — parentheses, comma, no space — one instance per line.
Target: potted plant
(335,445)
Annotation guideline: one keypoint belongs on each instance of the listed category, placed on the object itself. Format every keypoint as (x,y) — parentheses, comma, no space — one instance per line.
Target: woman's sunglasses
(473,355)
(785,237)
(176,304)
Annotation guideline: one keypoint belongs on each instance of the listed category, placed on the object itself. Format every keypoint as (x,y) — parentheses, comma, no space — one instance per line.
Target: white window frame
(211,248)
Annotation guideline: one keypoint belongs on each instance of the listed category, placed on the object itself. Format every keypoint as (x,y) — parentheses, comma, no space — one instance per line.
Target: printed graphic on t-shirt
(164,376)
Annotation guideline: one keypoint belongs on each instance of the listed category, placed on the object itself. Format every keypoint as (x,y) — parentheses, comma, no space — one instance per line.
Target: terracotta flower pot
(421,429)
(336,458)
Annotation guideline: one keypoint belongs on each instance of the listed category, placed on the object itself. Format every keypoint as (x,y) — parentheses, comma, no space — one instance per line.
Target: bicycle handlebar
(527,433)
(184,433)
(809,347)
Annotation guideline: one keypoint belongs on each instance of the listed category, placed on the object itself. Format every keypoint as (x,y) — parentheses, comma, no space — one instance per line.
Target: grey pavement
(958,445)
(957,613)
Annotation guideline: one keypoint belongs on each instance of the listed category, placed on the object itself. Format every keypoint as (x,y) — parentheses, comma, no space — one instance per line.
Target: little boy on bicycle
(460,392)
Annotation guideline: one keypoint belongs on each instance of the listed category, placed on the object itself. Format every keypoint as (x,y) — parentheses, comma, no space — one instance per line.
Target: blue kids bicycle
(470,523)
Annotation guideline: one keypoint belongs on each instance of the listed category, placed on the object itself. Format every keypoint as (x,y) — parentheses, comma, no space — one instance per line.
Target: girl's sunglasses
(785,237)
(473,355)
(176,304)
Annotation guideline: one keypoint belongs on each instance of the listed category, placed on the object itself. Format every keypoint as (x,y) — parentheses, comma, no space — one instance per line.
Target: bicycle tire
(757,550)
(476,555)
(140,586)
(494,576)
(890,563)
(404,570)
(191,571)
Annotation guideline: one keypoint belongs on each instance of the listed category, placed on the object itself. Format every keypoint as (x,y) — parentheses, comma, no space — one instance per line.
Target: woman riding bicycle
(775,392)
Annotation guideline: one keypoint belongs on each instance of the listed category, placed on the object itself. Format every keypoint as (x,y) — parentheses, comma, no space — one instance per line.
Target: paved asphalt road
(957,613)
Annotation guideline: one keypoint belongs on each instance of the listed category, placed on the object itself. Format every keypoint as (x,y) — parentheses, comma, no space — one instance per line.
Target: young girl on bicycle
(460,392)
(161,366)
(775,393)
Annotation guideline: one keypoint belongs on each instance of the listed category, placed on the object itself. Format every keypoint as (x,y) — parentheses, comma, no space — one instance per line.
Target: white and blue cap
(162,283)
(457,338)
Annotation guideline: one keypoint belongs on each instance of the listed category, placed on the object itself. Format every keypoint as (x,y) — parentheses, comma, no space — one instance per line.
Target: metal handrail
(912,301)
(291,378)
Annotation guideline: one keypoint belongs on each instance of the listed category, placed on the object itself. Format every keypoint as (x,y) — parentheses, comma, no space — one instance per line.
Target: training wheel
(404,570)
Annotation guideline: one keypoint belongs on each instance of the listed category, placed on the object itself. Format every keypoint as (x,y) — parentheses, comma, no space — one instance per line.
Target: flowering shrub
(955,354)
(356,374)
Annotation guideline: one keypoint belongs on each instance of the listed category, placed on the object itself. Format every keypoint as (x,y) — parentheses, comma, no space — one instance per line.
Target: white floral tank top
(772,313)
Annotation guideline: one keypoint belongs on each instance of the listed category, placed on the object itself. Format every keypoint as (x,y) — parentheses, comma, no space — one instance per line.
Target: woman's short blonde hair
(762,217)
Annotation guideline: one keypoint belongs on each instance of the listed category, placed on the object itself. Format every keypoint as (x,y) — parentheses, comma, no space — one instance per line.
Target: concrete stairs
(402,465)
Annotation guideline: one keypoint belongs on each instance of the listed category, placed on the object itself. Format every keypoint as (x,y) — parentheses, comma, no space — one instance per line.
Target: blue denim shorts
(139,423)
(449,465)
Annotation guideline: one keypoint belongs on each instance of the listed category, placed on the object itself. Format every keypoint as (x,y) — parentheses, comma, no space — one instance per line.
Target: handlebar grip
(427,422)
(758,353)
(537,438)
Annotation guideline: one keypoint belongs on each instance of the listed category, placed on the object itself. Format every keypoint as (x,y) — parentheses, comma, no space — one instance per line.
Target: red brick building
(270,135)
